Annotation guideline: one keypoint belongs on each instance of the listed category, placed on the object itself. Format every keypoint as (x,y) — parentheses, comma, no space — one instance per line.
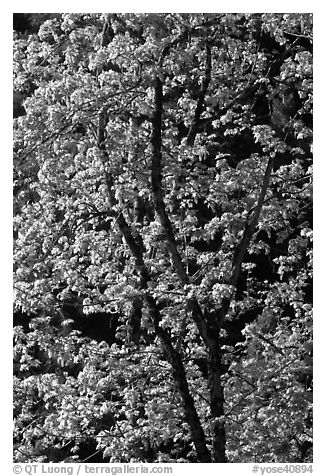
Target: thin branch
(55,47)
(242,399)
(306,37)
(93,454)
(269,342)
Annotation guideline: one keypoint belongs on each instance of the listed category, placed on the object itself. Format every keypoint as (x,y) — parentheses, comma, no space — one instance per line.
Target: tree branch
(201,98)
(242,247)
(156,176)
(156,145)
(250,228)
(180,377)
(206,324)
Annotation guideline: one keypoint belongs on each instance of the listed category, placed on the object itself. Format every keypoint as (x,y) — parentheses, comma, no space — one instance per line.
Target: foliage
(162,184)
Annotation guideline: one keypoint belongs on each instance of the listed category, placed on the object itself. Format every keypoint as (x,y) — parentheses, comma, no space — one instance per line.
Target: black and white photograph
(162,240)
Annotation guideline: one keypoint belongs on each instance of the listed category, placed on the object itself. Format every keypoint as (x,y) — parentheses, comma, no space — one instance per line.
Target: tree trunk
(180,378)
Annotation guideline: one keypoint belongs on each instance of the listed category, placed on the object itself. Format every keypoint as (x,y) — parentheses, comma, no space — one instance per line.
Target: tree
(163,172)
